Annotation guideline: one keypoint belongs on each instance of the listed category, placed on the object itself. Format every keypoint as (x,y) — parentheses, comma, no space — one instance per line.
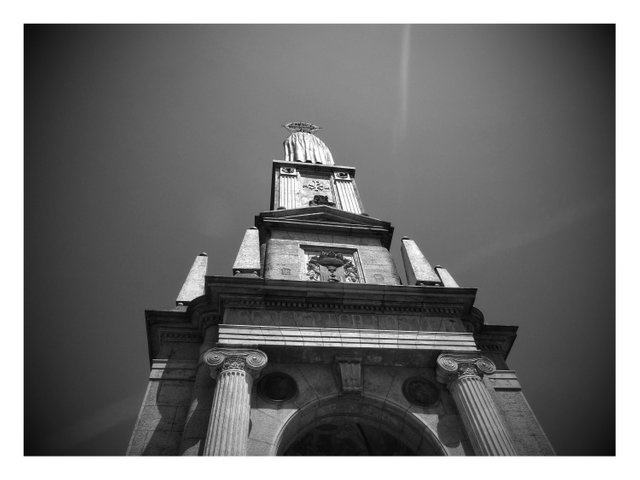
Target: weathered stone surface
(504,380)
(193,286)
(344,337)
(257,448)
(163,414)
(416,266)
(248,258)
(174,393)
(445,277)
(377,381)
(525,430)
(375,261)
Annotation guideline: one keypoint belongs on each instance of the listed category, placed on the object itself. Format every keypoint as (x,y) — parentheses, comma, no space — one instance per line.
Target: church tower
(315,346)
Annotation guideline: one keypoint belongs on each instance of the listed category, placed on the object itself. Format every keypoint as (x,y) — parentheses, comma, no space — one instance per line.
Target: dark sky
(491,146)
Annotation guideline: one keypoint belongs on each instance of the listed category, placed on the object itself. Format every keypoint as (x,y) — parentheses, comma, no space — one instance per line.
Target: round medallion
(420,391)
(277,387)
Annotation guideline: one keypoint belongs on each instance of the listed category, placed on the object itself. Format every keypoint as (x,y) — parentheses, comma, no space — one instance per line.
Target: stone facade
(316,347)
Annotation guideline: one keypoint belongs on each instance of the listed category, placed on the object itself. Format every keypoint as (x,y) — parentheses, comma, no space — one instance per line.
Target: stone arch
(402,431)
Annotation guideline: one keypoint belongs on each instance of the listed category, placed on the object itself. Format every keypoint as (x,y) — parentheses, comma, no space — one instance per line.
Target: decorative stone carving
(454,366)
(350,370)
(224,359)
(288,171)
(321,200)
(344,176)
(316,186)
(330,266)
(301,127)
(303,146)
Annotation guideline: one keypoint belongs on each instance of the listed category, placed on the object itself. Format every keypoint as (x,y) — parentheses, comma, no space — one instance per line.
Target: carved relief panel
(316,190)
(332,265)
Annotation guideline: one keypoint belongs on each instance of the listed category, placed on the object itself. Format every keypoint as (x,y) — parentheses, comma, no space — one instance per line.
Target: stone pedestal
(463,375)
(235,370)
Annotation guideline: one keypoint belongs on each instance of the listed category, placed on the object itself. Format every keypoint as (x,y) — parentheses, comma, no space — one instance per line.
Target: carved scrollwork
(233,363)
(453,366)
(213,358)
(224,359)
(288,171)
(256,359)
(447,363)
(486,366)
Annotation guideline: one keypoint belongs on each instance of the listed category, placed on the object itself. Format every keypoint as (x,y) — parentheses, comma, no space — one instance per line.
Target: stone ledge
(504,380)
(164,369)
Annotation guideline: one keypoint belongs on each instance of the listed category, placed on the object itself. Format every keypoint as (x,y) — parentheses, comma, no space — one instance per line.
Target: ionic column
(463,375)
(235,370)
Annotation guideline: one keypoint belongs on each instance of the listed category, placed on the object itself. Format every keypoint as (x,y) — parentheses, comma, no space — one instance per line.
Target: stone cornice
(319,167)
(438,309)
(496,339)
(179,325)
(324,218)
(370,298)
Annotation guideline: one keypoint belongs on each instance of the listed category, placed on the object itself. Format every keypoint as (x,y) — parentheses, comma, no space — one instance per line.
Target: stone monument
(315,346)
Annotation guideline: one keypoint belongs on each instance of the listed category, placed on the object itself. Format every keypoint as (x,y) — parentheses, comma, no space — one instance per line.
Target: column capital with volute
(452,366)
(463,374)
(219,359)
(235,369)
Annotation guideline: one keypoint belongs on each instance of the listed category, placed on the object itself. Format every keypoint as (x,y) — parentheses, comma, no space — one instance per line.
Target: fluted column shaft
(231,408)
(479,413)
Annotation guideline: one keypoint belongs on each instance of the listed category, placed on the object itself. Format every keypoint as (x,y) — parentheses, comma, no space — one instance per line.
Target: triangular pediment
(323,214)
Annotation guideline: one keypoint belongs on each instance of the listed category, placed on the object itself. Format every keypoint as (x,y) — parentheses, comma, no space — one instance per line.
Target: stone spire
(303,146)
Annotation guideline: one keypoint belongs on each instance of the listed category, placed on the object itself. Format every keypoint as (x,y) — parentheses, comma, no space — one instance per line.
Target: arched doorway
(355,425)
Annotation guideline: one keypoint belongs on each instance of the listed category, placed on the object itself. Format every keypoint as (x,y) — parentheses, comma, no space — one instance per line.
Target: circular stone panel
(277,387)
(420,391)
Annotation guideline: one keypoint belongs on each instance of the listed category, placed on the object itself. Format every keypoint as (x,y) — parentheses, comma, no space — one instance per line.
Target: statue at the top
(303,146)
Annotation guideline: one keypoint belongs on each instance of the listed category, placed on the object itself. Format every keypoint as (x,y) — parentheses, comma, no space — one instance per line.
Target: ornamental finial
(301,127)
